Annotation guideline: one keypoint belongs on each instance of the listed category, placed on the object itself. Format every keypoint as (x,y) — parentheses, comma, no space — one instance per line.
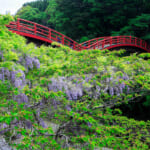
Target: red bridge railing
(92,41)
(34,30)
(120,41)
(28,27)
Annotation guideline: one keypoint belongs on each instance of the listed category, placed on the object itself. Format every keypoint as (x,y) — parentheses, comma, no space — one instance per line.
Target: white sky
(11,6)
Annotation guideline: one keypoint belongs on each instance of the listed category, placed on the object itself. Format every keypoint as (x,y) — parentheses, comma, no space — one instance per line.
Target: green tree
(139,26)
(91,18)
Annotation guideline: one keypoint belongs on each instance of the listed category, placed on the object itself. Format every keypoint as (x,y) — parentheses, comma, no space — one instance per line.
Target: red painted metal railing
(34,30)
(92,41)
(37,31)
(120,41)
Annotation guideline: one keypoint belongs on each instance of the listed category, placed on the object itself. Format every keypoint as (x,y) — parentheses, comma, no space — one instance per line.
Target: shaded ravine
(137,109)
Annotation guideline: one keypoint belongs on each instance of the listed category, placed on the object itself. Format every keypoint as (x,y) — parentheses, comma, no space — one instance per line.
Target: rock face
(4,145)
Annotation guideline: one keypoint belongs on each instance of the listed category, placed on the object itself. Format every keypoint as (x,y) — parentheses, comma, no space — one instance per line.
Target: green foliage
(35,11)
(89,122)
(5,19)
(138,26)
(11,56)
(87,19)
(147,103)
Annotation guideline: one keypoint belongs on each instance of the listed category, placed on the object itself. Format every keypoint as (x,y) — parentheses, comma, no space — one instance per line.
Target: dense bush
(53,98)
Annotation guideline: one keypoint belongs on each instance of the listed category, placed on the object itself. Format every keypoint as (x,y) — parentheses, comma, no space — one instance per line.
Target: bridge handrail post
(94,47)
(135,41)
(63,39)
(18,24)
(97,40)
(140,42)
(103,44)
(35,28)
(124,40)
(130,38)
(50,34)
(110,41)
(118,38)
(88,43)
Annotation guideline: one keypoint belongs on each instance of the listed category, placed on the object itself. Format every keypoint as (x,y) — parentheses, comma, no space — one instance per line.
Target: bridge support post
(74,45)
(145,45)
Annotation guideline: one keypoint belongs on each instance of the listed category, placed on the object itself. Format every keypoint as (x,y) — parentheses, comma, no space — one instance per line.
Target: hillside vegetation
(86,19)
(57,98)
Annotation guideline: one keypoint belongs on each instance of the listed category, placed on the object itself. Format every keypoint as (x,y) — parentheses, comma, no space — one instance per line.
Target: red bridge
(43,33)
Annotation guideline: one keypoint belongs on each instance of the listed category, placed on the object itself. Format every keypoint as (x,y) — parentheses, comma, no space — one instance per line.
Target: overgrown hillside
(57,98)
(86,19)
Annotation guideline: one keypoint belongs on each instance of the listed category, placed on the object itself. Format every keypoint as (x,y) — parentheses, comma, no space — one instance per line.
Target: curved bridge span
(36,31)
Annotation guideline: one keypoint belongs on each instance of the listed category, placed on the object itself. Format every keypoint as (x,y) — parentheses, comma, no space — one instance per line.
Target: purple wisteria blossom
(75,86)
(36,63)
(28,124)
(13,76)
(21,98)
(89,124)
(111,91)
(117,91)
(2,74)
(73,90)
(68,108)
(1,56)
(18,83)
(42,123)
(31,62)
(7,74)
(1,77)
(3,128)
